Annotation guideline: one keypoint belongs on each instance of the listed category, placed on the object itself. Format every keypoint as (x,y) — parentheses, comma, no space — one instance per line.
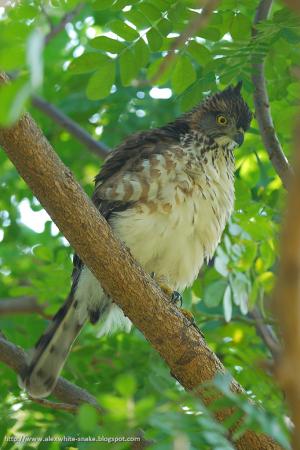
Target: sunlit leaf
(184,74)
(107,44)
(123,30)
(100,83)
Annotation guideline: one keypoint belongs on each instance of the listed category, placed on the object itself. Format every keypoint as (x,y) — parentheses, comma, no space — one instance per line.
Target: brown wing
(127,172)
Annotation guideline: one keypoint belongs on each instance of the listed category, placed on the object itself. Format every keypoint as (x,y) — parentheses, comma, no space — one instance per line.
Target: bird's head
(224,116)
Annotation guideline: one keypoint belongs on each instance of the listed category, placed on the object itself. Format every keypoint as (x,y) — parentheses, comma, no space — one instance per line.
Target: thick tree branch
(198,23)
(262,106)
(181,345)
(68,393)
(287,296)
(68,124)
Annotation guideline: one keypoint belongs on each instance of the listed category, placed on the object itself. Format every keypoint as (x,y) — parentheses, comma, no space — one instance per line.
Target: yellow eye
(221,120)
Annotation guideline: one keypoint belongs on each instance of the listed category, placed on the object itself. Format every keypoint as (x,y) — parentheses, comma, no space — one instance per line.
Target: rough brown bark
(287,297)
(181,345)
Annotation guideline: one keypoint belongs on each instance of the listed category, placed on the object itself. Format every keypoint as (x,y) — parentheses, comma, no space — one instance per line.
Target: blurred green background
(96,70)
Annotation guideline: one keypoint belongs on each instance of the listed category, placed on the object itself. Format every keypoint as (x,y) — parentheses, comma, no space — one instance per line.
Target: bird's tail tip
(51,351)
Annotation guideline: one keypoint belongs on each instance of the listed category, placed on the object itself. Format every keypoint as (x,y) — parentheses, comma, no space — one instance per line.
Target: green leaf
(240,284)
(191,97)
(155,40)
(126,385)
(150,11)
(87,418)
(267,280)
(214,293)
(221,263)
(43,252)
(107,44)
(88,62)
(100,83)
(240,27)
(21,290)
(128,67)
(199,52)
(294,90)
(137,18)
(163,5)
(164,26)
(248,256)
(154,70)
(210,33)
(184,74)
(116,406)
(227,304)
(123,30)
(100,5)
(141,53)
(118,5)
(267,252)
(13,97)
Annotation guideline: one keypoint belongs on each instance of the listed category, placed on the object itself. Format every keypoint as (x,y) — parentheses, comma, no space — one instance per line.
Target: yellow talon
(166,289)
(188,315)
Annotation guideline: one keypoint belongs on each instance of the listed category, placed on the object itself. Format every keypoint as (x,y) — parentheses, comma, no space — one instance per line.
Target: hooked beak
(239,138)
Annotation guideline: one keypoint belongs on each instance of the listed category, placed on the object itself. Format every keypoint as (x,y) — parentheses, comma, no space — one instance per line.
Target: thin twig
(22,305)
(61,25)
(95,147)
(262,106)
(195,25)
(266,333)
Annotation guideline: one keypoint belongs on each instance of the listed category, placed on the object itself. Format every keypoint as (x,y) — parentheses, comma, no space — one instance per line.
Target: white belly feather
(174,243)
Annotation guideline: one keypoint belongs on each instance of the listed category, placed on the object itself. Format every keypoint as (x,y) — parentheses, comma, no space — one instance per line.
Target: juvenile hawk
(167,193)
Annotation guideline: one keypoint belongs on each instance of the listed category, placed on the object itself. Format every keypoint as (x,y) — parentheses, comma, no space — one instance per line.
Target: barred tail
(52,350)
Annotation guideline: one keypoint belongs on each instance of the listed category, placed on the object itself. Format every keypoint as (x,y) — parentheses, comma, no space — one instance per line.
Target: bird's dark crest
(230,101)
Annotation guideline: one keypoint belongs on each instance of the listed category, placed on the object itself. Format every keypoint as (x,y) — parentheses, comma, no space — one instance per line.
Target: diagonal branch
(262,106)
(68,124)
(181,345)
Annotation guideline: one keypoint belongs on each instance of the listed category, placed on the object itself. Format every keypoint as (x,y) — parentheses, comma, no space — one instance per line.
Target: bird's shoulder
(139,147)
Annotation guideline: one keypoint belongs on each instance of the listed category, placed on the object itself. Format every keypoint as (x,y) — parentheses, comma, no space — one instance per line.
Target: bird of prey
(167,193)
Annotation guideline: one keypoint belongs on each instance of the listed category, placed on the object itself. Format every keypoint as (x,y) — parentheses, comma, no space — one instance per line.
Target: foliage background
(103,81)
